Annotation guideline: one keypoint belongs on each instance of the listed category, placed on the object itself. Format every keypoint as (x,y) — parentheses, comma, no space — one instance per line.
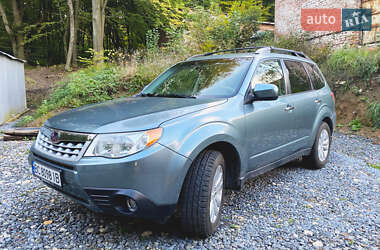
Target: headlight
(122,144)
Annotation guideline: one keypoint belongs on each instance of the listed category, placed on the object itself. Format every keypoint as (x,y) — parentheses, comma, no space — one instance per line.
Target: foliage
(263,38)
(319,53)
(214,29)
(46,31)
(353,64)
(374,114)
(355,125)
(374,165)
(89,85)
(24,121)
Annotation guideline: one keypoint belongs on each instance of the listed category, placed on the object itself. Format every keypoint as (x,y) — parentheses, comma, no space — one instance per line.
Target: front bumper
(153,178)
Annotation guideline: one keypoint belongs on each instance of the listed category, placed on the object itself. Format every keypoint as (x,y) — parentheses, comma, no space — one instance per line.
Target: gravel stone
(339,205)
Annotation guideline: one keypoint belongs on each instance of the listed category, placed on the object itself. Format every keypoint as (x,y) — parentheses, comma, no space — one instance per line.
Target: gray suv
(205,125)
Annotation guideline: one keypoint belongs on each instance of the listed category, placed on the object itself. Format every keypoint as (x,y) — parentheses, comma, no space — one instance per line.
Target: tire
(319,156)
(197,218)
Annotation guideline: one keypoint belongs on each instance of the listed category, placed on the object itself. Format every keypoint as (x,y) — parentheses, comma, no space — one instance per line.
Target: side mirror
(264,91)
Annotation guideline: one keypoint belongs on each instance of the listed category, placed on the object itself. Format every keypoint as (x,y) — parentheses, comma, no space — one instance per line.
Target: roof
(11,57)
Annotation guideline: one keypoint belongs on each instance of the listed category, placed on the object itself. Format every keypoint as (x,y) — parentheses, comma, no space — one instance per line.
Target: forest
(46,32)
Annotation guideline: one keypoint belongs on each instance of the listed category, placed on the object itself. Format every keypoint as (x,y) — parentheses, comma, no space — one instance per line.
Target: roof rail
(259,50)
(235,49)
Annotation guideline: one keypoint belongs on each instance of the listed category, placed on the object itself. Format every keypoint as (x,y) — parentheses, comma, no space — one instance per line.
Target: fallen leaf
(48,222)
(146,234)
(235,226)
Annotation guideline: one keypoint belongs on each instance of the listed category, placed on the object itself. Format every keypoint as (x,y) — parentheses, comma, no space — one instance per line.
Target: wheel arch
(232,162)
(324,115)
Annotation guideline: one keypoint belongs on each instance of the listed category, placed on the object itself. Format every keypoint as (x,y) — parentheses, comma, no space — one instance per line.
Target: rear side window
(269,71)
(315,75)
(299,80)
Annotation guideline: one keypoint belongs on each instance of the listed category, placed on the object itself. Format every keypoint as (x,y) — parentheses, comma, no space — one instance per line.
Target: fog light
(131,205)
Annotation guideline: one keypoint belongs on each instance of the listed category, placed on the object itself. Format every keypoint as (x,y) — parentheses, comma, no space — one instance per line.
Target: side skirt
(270,166)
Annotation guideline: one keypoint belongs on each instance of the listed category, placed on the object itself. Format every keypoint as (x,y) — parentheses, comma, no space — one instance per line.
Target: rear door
(303,100)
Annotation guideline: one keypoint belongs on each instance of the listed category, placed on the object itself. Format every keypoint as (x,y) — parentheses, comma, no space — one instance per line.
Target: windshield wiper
(175,96)
(146,95)
(167,95)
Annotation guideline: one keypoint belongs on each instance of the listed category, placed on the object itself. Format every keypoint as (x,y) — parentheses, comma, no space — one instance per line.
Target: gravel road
(290,207)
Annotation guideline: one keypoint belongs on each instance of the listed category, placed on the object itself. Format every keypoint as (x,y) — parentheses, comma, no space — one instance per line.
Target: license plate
(46,174)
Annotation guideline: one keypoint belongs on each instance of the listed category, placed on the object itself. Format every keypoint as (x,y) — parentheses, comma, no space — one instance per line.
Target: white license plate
(46,174)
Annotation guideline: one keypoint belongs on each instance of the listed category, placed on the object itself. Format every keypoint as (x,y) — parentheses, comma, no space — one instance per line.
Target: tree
(72,28)
(76,27)
(15,30)
(98,19)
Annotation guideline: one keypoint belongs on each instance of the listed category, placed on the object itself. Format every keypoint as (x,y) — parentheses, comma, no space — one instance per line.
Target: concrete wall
(12,88)
(288,20)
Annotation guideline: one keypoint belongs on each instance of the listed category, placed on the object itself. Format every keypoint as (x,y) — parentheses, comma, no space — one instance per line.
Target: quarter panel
(323,112)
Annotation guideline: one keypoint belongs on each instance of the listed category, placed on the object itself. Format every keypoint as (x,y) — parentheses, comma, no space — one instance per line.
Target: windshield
(207,78)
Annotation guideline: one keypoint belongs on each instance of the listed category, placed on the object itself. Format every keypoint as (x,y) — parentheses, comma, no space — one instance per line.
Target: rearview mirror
(264,91)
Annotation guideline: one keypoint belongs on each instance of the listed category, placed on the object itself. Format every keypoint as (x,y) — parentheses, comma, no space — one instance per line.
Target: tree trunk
(76,27)
(17,23)
(98,19)
(71,42)
(65,39)
(8,30)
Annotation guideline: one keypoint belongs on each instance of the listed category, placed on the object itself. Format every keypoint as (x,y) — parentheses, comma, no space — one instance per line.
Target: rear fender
(323,113)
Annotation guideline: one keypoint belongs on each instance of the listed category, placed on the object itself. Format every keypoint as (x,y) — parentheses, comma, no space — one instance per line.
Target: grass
(355,125)
(352,64)
(374,114)
(374,165)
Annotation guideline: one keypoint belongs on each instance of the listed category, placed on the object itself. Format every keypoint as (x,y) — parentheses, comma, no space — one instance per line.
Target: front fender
(191,143)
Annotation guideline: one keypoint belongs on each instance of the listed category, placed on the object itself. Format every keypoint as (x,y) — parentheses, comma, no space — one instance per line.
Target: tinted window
(299,80)
(269,72)
(212,78)
(315,76)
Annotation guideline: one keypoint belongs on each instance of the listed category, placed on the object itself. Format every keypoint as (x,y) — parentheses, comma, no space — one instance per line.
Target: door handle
(317,101)
(289,108)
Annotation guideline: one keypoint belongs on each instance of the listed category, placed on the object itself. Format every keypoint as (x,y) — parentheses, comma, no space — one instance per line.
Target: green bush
(89,85)
(374,114)
(352,64)
(355,125)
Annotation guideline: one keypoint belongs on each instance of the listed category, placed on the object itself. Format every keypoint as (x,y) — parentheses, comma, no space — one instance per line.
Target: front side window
(315,75)
(299,80)
(206,78)
(270,71)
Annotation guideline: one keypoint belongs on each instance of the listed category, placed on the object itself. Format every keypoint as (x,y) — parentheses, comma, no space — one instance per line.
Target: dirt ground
(353,104)
(40,81)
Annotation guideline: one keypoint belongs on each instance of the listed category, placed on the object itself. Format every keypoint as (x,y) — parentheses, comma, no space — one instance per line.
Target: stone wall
(288,20)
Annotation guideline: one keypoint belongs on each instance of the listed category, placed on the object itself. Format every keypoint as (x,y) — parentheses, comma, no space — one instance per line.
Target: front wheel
(321,149)
(202,194)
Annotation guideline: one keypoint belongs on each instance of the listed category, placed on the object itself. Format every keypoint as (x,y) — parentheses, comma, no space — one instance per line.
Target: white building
(12,87)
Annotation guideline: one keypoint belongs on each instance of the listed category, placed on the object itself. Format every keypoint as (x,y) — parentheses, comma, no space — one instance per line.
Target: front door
(269,123)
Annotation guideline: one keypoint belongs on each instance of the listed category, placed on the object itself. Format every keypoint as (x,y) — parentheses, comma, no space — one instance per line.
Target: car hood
(128,114)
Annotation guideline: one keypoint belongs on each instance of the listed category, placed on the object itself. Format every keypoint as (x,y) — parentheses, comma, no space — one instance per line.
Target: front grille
(68,146)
